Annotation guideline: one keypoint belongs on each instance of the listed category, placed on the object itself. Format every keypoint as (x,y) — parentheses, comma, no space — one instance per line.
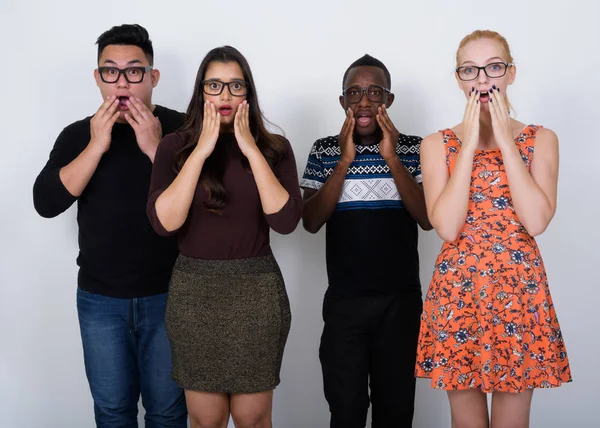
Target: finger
(217,124)
(205,114)
(241,117)
(213,131)
(352,121)
(237,118)
(380,120)
(106,105)
(206,119)
(386,119)
(157,125)
(502,107)
(141,108)
(493,105)
(346,123)
(476,111)
(131,121)
(214,113)
(385,116)
(468,105)
(135,113)
(247,116)
(473,100)
(381,123)
(114,118)
(110,110)
(244,116)
(211,116)
(472,105)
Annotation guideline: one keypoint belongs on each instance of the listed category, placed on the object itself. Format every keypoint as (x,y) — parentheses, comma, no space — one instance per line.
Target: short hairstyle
(127,34)
(369,61)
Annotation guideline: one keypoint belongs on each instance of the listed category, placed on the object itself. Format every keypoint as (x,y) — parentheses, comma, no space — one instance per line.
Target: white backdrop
(298,52)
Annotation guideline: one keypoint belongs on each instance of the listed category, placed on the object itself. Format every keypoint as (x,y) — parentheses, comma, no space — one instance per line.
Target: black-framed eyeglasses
(132,74)
(492,70)
(237,88)
(375,93)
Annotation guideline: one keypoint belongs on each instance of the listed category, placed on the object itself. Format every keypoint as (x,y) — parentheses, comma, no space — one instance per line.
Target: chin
(121,118)
(366,132)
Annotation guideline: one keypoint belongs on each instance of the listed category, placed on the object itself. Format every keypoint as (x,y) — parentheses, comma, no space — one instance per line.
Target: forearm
(76,175)
(320,206)
(532,206)
(273,195)
(173,205)
(449,211)
(411,192)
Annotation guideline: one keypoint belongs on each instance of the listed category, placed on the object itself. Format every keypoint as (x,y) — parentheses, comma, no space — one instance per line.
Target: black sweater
(119,253)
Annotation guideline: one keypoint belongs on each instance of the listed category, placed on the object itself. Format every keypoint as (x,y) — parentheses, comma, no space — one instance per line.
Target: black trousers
(370,341)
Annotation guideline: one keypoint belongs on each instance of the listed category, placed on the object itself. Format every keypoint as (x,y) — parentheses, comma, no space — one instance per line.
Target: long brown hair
(271,145)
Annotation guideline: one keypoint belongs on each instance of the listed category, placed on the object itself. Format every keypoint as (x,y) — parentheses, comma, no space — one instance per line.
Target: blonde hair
(490,35)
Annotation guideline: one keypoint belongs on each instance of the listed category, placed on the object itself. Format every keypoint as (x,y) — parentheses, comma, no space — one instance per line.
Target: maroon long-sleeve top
(242,230)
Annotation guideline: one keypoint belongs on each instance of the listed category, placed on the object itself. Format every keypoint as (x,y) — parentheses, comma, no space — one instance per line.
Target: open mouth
(363,119)
(123,102)
(225,110)
(484,96)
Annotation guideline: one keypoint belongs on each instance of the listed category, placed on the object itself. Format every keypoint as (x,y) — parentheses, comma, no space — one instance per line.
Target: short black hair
(127,34)
(368,60)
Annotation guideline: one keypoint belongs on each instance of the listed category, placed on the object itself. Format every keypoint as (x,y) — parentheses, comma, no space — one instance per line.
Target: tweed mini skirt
(228,322)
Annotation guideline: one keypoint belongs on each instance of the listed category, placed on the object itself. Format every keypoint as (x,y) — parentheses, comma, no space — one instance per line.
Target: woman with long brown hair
(221,183)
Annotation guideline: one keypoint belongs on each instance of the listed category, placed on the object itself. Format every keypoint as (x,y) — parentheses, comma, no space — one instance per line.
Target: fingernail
(477,92)
(498,89)
(494,86)
(477,101)
(491,100)
(473,88)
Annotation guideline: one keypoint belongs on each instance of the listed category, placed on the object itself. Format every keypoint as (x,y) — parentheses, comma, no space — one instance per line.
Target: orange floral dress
(488,319)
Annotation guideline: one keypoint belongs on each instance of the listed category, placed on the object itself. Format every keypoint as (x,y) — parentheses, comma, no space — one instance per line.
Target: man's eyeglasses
(132,74)
(493,70)
(375,93)
(237,88)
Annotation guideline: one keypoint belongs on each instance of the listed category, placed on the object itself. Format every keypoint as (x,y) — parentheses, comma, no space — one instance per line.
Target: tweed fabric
(228,322)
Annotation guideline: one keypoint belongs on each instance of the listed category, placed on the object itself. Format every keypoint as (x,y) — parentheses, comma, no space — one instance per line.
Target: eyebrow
(133,61)
(217,79)
(487,60)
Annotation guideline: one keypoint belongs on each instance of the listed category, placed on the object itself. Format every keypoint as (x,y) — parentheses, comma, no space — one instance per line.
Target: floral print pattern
(488,319)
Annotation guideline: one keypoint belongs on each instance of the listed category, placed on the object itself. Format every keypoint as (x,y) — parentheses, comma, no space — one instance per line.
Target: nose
(122,81)
(226,93)
(482,79)
(364,100)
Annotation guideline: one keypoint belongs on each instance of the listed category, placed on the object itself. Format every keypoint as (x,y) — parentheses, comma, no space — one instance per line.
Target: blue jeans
(127,352)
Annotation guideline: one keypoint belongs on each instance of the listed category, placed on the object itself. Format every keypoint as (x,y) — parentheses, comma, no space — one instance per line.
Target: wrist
(150,152)
(346,159)
(199,153)
(96,148)
(345,162)
(392,159)
(253,154)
